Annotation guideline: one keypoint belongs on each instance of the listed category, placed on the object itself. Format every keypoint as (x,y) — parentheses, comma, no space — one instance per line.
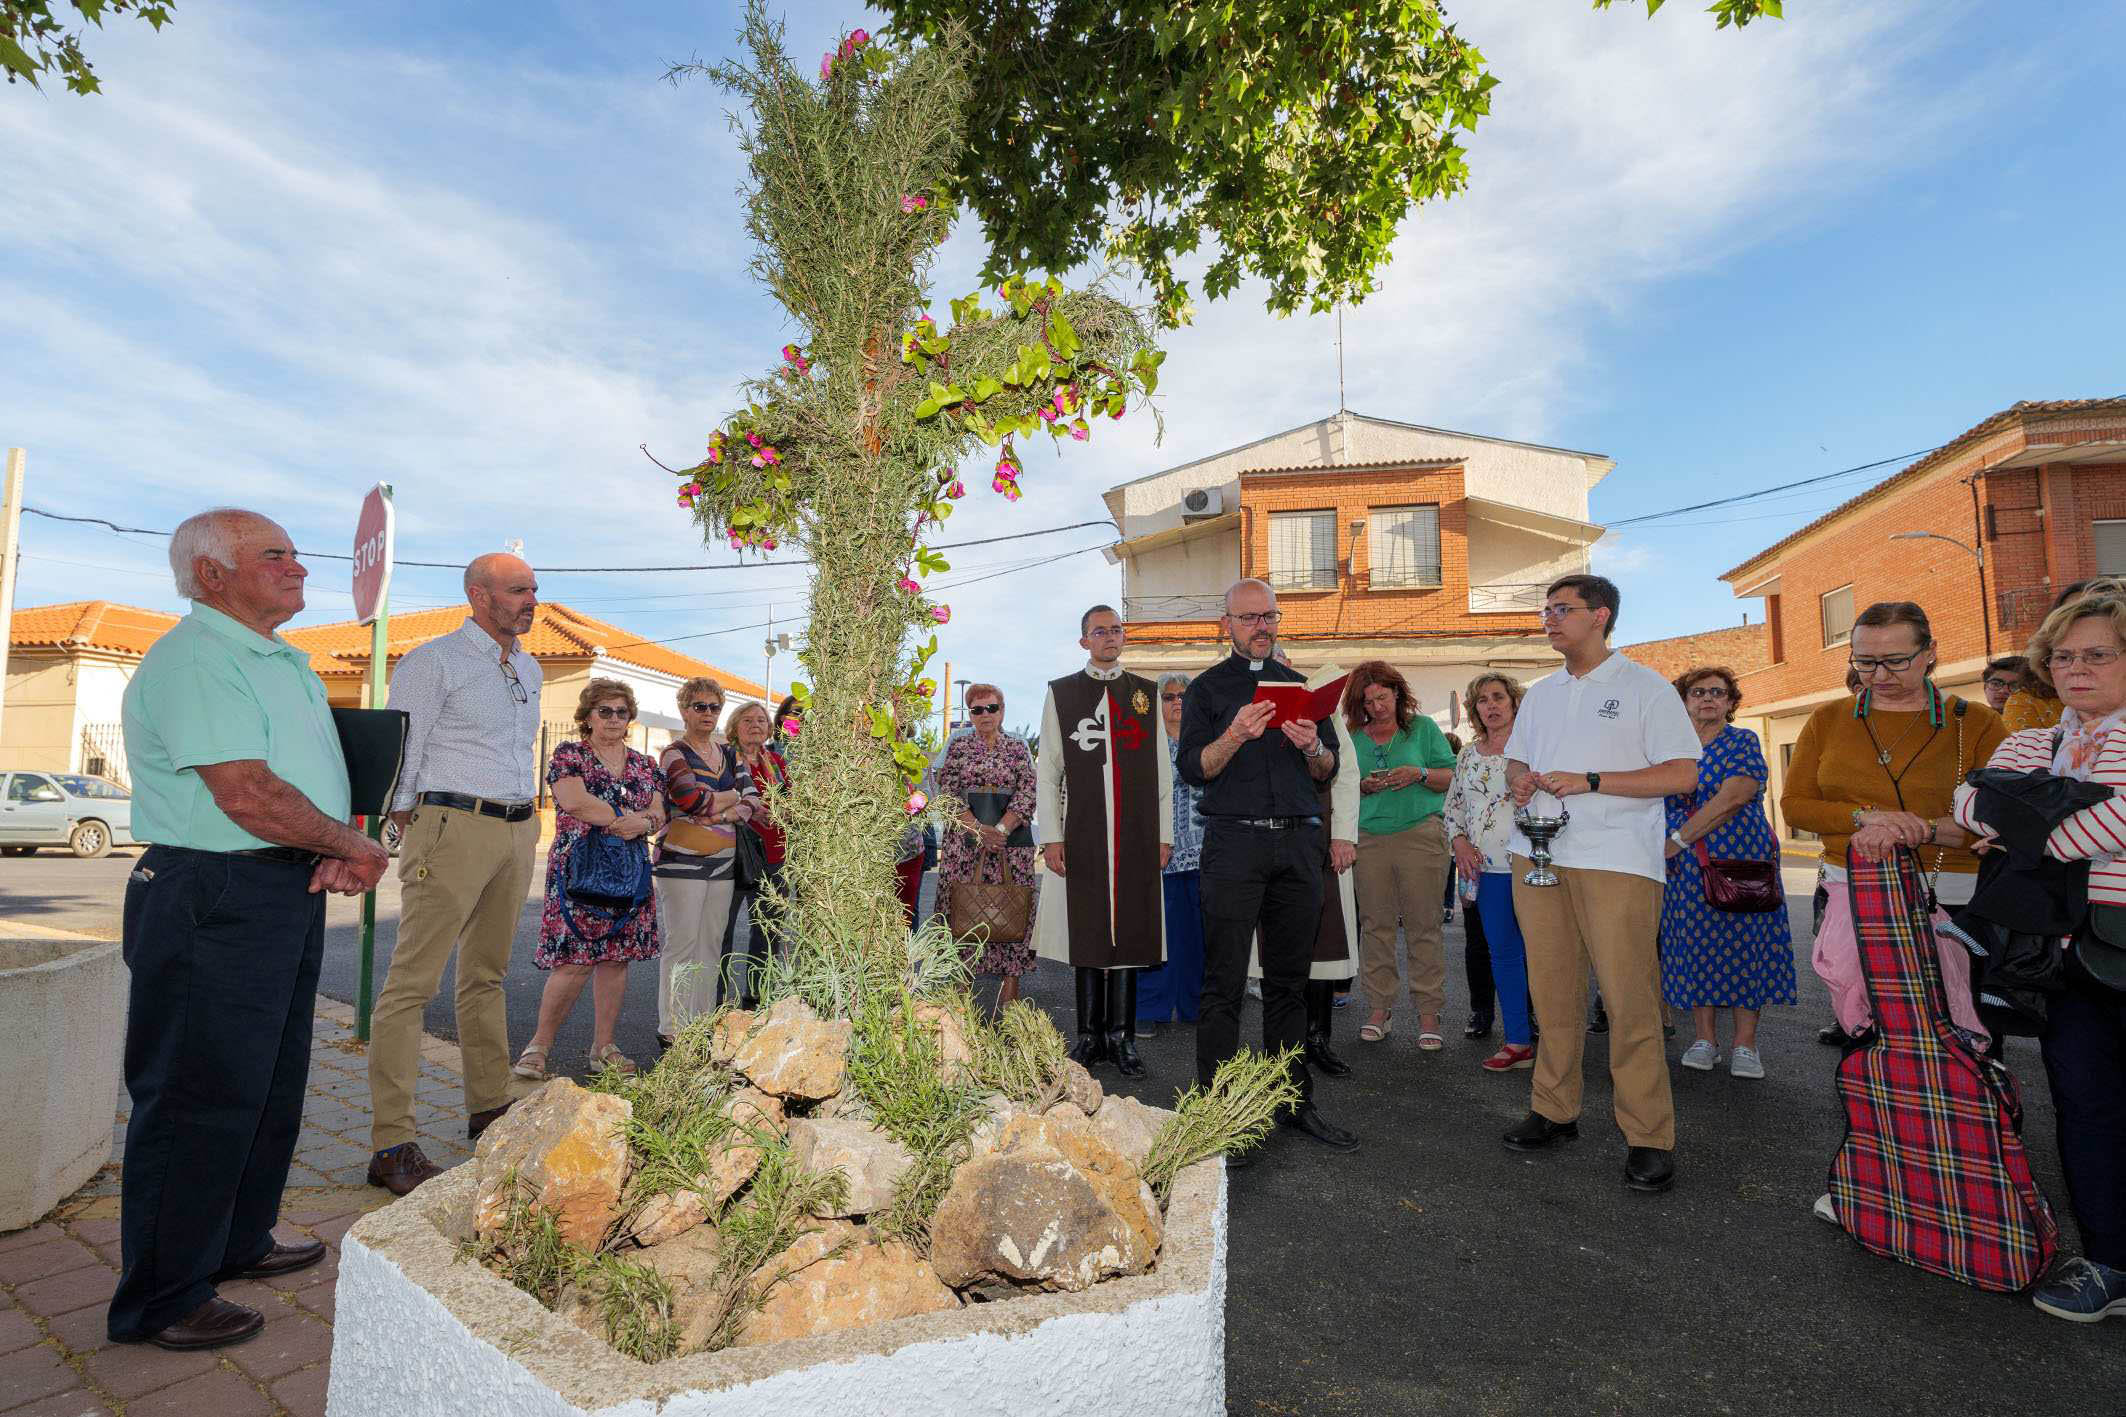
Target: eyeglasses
(1709,691)
(610,712)
(2002,682)
(1558,610)
(705,706)
(985,708)
(1895,663)
(516,685)
(1103,632)
(1265,617)
(2095,658)
(1170,698)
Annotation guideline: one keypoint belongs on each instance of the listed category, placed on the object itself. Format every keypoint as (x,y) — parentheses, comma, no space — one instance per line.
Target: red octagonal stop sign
(372,553)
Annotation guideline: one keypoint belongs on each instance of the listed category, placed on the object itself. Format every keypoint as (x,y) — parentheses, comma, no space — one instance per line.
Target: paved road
(1435,1271)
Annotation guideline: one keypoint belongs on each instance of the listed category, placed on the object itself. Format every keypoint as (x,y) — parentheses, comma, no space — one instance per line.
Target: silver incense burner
(1541,831)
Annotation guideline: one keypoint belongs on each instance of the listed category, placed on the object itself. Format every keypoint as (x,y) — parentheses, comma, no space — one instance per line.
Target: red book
(1297,701)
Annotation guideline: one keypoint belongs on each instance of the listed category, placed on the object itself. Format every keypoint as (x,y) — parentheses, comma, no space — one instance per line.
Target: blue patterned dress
(1711,958)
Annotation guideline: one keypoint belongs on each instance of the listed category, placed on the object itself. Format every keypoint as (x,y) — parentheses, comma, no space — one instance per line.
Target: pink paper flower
(753,439)
(759,461)
(826,67)
(715,454)
(859,38)
(1079,431)
(910,203)
(1048,413)
(909,586)
(686,499)
(941,613)
(957,490)
(792,726)
(1007,468)
(916,803)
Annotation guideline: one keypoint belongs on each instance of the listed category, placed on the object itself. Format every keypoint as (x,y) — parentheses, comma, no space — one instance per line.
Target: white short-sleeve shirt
(1618,717)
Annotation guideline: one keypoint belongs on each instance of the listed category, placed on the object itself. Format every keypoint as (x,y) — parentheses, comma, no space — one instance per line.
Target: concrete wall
(40,712)
(62,1028)
(1174,582)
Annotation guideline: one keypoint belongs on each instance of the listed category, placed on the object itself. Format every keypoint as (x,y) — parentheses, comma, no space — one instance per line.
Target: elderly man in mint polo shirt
(239,782)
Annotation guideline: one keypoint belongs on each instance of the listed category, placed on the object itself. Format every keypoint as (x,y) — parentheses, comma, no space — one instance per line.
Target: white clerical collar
(1104,675)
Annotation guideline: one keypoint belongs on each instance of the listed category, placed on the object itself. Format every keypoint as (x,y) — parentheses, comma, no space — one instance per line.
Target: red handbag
(1739,887)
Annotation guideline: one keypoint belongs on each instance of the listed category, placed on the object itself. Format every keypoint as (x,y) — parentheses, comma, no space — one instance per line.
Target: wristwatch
(1677,838)
(1594,782)
(1318,750)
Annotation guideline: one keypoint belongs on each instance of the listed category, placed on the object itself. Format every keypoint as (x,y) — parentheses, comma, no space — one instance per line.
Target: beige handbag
(978,912)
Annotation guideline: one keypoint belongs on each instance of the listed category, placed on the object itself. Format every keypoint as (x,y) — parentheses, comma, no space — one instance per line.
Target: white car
(88,815)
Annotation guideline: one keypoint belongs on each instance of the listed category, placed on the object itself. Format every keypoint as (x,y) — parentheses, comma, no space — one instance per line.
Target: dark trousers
(2085,1058)
(1476,955)
(224,954)
(1254,876)
(1175,989)
(761,918)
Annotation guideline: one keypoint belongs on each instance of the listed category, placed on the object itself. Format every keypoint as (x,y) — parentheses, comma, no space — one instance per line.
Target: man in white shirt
(1608,738)
(465,809)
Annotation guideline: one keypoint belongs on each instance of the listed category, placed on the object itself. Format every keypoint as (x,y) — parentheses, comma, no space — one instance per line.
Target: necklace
(1883,755)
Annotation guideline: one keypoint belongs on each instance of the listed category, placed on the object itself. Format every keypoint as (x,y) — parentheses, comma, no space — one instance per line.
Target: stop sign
(372,553)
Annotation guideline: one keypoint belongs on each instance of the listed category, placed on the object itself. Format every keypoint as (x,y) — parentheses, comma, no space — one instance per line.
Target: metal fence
(103,752)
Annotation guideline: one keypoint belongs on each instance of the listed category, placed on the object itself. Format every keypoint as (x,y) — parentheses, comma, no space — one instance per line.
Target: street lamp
(1978,557)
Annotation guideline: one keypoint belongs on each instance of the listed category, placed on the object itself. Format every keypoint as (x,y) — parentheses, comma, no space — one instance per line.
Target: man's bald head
(503,592)
(1250,619)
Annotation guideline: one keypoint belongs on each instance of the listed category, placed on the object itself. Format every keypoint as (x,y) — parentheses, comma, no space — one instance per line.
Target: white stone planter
(419,1332)
(62,1030)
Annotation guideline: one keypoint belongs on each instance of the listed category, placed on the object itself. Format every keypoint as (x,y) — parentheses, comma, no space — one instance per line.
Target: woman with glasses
(1174,990)
(708,795)
(987,778)
(1479,817)
(1714,959)
(1878,772)
(750,730)
(2080,652)
(599,784)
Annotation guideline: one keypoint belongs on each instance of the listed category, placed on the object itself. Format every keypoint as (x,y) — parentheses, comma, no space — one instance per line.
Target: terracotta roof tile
(89,624)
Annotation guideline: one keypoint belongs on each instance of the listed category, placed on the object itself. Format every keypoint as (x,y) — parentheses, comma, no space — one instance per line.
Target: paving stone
(251,1292)
(220,1392)
(64,1293)
(342,1087)
(34,1235)
(83,1331)
(79,1402)
(326,1269)
(333,1117)
(34,1262)
(31,1373)
(16,1331)
(331,1230)
(303,1393)
(96,1232)
(320,1299)
(130,1370)
(290,1341)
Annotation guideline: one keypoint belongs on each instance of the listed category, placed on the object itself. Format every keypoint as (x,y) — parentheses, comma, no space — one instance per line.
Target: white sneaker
(1823,1210)
(1745,1063)
(1701,1056)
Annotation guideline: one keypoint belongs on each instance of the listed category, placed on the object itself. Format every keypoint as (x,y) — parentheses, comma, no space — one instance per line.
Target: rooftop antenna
(1339,357)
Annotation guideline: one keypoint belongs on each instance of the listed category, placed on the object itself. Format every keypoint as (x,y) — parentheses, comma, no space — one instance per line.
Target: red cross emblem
(1130,736)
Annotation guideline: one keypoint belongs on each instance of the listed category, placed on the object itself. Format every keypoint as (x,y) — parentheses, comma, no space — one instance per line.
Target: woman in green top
(1405,769)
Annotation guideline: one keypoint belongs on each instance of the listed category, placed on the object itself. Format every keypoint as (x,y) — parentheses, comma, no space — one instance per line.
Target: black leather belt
(507,811)
(1273,824)
(289,854)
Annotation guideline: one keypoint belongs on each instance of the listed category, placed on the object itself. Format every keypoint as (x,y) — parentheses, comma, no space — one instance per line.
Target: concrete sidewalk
(56,1277)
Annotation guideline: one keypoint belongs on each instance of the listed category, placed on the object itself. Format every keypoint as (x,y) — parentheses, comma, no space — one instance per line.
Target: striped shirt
(469,732)
(2095,834)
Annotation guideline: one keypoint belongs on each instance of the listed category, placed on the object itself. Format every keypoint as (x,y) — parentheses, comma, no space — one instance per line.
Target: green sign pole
(373,695)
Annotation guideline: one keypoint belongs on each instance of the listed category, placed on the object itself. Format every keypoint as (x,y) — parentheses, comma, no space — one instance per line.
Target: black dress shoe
(1831,1035)
(1649,1168)
(400,1168)
(1600,1022)
(479,1122)
(1304,1118)
(281,1259)
(1479,1026)
(214,1324)
(1536,1131)
(1324,1058)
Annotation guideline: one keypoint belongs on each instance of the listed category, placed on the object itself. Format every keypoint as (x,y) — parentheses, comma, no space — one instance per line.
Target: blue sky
(478,251)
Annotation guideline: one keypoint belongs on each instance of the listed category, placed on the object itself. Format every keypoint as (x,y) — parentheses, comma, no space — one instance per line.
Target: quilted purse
(981,913)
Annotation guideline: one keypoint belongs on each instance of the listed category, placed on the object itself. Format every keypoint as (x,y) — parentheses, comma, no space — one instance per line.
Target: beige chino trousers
(695,914)
(1612,921)
(462,882)
(1403,875)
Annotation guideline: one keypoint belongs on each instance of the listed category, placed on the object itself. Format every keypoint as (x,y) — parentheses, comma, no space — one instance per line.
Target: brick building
(1425,547)
(1743,648)
(2032,498)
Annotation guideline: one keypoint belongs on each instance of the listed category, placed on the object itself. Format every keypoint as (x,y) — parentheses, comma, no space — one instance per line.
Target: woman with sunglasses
(987,780)
(751,730)
(599,784)
(1878,772)
(708,794)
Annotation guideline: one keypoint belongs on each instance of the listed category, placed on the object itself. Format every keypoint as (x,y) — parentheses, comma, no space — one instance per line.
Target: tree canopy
(1288,138)
(34,41)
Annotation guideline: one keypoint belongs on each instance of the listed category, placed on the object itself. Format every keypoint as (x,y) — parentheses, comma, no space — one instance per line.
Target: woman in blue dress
(1714,959)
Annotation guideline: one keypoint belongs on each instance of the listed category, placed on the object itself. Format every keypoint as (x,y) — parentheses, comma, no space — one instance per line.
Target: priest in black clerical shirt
(1263,845)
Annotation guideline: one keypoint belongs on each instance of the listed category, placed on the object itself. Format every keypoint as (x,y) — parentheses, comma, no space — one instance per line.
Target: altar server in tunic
(1104,806)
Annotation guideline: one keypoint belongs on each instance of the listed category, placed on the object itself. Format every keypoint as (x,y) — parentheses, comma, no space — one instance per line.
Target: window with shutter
(1838,617)
(1303,550)
(2110,547)
(1403,545)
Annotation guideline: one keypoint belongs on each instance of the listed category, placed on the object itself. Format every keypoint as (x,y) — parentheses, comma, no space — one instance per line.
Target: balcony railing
(1507,598)
(103,752)
(2025,605)
(1155,609)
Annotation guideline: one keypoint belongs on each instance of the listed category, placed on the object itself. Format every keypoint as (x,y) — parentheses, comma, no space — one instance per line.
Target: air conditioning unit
(1203,502)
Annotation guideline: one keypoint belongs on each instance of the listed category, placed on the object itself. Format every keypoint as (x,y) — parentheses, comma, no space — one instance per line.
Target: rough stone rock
(1128,1126)
(795,1053)
(866,1283)
(1052,1206)
(728,1033)
(990,1128)
(664,1218)
(872,1161)
(566,1147)
(945,1028)
(1080,1088)
(688,1263)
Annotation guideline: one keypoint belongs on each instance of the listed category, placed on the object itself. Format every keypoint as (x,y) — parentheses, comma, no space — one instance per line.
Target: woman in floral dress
(998,767)
(1479,813)
(599,784)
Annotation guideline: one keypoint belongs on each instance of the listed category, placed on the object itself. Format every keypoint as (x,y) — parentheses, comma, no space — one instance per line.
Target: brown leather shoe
(479,1122)
(281,1259)
(401,1168)
(214,1324)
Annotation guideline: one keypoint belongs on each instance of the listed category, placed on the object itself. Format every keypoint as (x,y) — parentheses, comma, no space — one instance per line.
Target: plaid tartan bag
(1932,1170)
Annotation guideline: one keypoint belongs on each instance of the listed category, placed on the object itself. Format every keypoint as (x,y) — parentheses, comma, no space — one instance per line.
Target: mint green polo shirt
(1421,745)
(214,691)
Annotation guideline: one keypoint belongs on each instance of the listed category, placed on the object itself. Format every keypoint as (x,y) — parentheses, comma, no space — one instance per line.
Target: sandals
(1430,1041)
(530,1065)
(1512,1057)
(1370,1032)
(610,1056)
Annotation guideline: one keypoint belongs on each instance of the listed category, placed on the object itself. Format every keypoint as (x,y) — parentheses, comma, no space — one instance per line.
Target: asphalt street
(1434,1270)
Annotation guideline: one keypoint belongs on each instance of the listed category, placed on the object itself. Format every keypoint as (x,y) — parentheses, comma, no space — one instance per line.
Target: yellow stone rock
(570,1158)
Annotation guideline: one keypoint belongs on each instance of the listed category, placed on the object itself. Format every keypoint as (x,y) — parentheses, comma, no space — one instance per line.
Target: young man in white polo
(1608,738)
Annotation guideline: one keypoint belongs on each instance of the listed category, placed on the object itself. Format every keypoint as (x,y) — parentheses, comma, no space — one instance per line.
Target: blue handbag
(608,879)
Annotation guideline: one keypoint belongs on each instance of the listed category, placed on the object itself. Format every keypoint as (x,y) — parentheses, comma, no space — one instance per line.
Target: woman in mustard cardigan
(1879,772)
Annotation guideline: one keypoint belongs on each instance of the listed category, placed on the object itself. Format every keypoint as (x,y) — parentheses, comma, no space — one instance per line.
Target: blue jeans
(1175,988)
(1509,956)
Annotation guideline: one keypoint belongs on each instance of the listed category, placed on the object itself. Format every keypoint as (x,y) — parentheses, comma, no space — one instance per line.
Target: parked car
(88,815)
